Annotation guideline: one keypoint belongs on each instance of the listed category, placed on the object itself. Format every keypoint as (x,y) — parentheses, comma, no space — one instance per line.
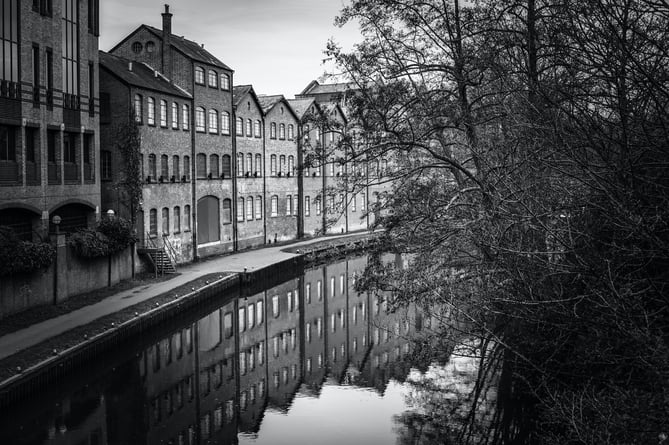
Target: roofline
(255,97)
(283,99)
(309,86)
(183,95)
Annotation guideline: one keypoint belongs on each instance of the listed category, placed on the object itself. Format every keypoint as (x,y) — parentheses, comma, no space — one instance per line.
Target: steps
(159,258)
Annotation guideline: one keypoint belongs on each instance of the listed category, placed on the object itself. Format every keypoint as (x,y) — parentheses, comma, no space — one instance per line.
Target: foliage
(17,256)
(110,236)
(529,167)
(128,143)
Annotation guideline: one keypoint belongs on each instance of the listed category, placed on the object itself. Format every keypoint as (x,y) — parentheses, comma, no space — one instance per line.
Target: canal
(300,359)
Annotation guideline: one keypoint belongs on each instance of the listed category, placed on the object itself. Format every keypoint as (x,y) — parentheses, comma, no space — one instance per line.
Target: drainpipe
(264,181)
(193,207)
(233,167)
(321,137)
(300,183)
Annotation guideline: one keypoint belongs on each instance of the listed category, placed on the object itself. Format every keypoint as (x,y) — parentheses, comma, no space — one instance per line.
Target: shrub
(109,237)
(18,256)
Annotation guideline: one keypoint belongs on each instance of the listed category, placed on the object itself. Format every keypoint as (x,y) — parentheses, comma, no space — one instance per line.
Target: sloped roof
(316,88)
(141,76)
(239,91)
(268,102)
(301,106)
(330,106)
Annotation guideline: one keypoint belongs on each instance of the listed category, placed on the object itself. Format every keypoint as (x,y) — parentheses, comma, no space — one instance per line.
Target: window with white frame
(199,75)
(272,165)
(225,122)
(258,207)
(163,113)
(200,119)
(138,108)
(175,115)
(282,131)
(291,164)
(225,82)
(151,115)
(291,132)
(240,209)
(249,128)
(257,128)
(249,208)
(213,121)
(185,116)
(272,130)
(213,78)
(307,206)
(295,204)
(258,168)
(274,206)
(239,126)
(289,205)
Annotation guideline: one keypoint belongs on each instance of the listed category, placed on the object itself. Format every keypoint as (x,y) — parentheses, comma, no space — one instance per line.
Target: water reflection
(231,376)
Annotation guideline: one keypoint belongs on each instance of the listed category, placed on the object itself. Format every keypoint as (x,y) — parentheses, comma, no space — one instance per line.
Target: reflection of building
(313,356)
(49,128)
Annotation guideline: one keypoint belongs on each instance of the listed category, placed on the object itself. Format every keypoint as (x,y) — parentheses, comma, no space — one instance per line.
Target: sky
(275,45)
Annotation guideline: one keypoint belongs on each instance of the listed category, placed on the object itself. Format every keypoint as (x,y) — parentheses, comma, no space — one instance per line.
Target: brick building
(209,81)
(161,110)
(281,169)
(48,115)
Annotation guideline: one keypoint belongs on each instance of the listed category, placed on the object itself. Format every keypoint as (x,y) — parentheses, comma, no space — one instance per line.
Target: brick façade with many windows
(48,115)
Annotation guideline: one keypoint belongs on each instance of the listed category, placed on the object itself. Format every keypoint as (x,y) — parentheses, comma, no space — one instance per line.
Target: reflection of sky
(275,45)
(341,415)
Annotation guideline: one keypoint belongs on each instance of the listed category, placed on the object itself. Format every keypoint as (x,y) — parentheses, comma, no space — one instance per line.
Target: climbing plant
(128,143)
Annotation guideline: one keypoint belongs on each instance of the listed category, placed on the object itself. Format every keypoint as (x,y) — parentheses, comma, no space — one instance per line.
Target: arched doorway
(208,220)
(73,217)
(23,222)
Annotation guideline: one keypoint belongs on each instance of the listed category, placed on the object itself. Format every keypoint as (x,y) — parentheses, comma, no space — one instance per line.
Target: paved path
(237,262)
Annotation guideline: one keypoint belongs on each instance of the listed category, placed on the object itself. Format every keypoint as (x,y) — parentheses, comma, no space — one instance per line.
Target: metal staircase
(163,258)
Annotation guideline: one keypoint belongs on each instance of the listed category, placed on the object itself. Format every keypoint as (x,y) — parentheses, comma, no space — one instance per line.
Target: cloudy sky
(275,45)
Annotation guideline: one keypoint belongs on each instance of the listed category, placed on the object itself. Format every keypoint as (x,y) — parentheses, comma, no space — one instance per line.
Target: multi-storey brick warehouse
(48,115)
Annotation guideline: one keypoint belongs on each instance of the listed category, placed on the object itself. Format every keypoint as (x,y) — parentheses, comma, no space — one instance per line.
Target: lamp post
(56,222)
(110,214)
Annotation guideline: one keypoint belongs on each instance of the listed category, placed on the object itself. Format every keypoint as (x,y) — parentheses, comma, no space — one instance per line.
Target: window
(272,130)
(240,209)
(175,168)
(177,219)
(225,82)
(201,166)
(70,46)
(225,122)
(272,165)
(282,131)
(186,218)
(259,313)
(36,74)
(289,205)
(227,211)
(353,203)
(239,126)
(291,132)
(330,204)
(275,306)
(138,108)
(163,113)
(106,165)
(332,168)
(213,121)
(187,167)
(307,206)
(282,164)
(249,128)
(226,172)
(251,319)
(185,116)
(291,165)
(240,164)
(362,202)
(213,78)
(93,17)
(175,115)
(295,204)
(137,47)
(152,167)
(199,119)
(258,169)
(151,115)
(42,6)
(214,166)
(150,46)
(317,201)
(241,320)
(49,77)
(256,128)
(274,206)
(249,163)
(153,222)
(199,75)
(164,169)
(259,207)
(249,208)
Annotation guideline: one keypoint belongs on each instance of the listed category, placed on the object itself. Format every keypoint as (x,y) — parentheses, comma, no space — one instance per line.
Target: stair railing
(171,251)
(152,245)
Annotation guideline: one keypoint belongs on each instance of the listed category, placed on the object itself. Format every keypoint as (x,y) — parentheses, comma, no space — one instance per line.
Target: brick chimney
(166,52)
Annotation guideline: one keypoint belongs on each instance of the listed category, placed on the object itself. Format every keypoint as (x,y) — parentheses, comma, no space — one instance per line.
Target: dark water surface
(306,361)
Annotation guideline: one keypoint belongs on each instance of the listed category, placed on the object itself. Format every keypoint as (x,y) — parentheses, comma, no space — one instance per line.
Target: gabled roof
(239,92)
(269,102)
(316,88)
(141,76)
(331,106)
(188,48)
(301,106)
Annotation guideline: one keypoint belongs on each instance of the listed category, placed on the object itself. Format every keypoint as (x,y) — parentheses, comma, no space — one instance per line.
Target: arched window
(199,75)
(240,164)
(152,166)
(249,128)
(186,218)
(177,219)
(213,78)
(139,109)
(227,211)
(175,115)
(199,119)
(307,206)
(201,166)
(274,206)
(240,209)
(227,172)
(249,163)
(258,169)
(282,131)
(214,166)
(317,201)
(166,220)
(239,126)
(259,207)
(272,130)
(249,208)
(256,128)
(282,164)
(291,132)
(187,167)
(225,122)
(153,222)
(208,220)
(225,82)
(176,174)
(151,115)
(289,205)
(291,165)
(272,165)
(164,169)
(185,116)
(163,113)
(213,121)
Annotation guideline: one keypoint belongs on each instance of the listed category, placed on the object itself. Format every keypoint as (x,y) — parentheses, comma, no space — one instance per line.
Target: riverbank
(26,351)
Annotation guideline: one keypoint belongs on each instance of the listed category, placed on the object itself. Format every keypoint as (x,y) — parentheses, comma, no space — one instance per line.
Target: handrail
(171,251)
(148,241)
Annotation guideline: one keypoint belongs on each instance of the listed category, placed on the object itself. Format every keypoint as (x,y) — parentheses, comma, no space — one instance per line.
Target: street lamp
(110,214)
(56,222)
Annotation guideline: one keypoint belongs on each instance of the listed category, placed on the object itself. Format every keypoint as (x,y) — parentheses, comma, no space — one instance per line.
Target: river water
(305,361)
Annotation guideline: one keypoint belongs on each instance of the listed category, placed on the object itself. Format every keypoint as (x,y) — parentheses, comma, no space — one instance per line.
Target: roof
(268,102)
(189,48)
(141,76)
(301,106)
(239,91)
(316,88)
